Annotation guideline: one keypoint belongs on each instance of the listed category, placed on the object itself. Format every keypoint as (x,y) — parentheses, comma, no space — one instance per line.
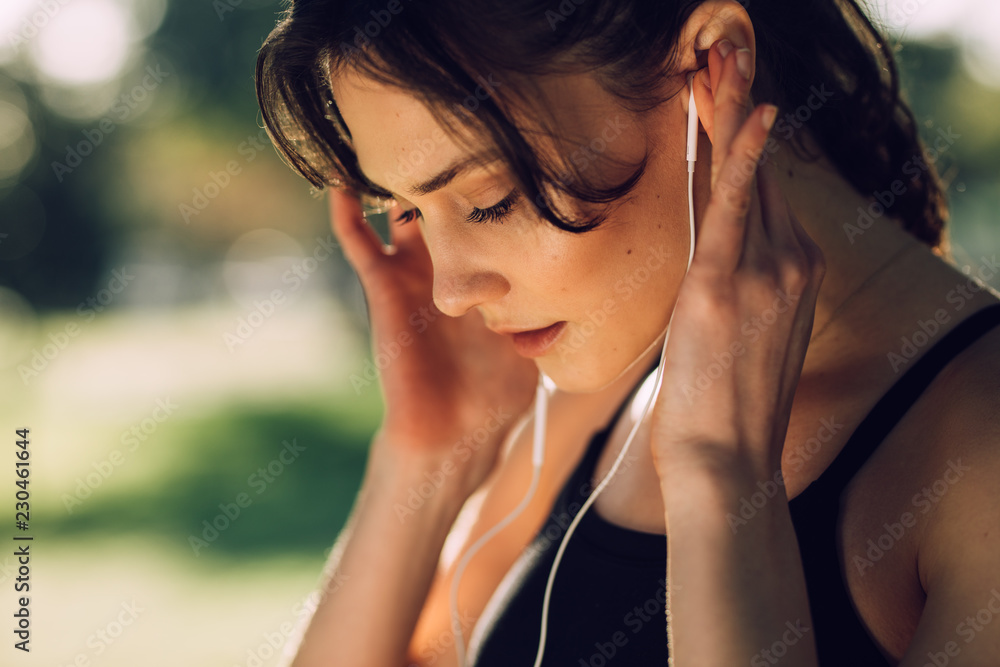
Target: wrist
(720,477)
(417,478)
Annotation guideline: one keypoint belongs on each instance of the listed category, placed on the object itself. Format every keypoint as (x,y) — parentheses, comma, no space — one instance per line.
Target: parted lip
(510,331)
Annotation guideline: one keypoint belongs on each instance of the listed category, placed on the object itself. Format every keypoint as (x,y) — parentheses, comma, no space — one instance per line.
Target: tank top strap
(891,408)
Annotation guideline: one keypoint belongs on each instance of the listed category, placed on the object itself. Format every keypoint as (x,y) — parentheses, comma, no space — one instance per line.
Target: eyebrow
(446,175)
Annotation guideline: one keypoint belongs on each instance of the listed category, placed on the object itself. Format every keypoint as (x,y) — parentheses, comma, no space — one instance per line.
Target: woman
(814,517)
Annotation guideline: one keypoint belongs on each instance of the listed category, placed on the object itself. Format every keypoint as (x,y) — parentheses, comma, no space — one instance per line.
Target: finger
(704,99)
(815,254)
(731,97)
(715,61)
(362,246)
(705,83)
(757,250)
(774,208)
(723,235)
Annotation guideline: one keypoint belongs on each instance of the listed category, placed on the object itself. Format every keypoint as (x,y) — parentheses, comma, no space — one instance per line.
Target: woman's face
(613,287)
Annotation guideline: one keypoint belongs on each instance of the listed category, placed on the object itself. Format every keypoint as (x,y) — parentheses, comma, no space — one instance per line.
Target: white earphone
(545,385)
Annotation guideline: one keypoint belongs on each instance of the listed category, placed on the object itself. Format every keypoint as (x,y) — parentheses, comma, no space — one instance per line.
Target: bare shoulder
(963,414)
(927,504)
(960,432)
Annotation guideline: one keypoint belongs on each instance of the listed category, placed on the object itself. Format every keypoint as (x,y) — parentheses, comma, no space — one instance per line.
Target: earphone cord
(622,453)
(540,413)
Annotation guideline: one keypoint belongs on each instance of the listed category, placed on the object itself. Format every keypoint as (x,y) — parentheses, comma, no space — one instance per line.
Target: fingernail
(767,118)
(743,63)
(725,46)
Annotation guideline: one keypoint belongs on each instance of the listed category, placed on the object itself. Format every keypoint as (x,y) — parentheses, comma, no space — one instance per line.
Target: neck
(860,258)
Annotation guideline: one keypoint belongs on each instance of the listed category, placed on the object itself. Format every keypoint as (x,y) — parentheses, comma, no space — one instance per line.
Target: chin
(569,378)
(581,373)
(590,369)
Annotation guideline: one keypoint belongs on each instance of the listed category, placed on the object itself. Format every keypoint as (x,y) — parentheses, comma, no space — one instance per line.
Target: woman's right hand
(452,379)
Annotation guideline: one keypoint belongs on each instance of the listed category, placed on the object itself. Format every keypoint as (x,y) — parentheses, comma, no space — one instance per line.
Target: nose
(459,290)
(466,272)
(464,276)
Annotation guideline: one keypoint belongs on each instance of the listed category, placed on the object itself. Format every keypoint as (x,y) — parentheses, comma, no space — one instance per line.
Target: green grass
(211,460)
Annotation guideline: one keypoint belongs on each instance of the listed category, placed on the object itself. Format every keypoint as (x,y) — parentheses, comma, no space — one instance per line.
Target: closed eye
(496,213)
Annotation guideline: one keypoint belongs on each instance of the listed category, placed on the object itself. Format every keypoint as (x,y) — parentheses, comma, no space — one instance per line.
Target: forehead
(396,138)
(399,142)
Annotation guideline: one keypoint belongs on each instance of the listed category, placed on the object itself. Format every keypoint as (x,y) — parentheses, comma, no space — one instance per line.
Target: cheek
(618,291)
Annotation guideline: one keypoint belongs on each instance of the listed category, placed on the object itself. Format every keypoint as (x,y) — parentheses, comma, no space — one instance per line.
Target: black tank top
(608,598)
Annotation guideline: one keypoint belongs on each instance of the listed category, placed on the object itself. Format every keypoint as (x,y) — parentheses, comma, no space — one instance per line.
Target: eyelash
(496,213)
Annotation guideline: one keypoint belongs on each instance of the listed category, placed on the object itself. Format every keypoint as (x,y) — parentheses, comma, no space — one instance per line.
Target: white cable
(541,414)
(538,449)
(692,156)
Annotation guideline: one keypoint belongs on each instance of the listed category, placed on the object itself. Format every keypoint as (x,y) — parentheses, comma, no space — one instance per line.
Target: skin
(729,594)
(526,273)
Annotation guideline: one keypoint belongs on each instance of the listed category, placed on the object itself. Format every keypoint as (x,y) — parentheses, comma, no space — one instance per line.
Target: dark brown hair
(443,52)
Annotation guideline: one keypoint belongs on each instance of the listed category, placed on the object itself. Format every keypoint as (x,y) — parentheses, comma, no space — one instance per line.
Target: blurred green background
(146,227)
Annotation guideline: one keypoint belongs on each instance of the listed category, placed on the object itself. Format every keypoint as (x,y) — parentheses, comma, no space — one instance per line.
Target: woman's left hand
(744,312)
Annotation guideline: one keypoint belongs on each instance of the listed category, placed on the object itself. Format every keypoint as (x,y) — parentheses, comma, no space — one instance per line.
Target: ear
(709,24)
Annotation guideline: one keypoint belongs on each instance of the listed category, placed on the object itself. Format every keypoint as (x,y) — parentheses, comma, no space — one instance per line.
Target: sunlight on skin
(604,283)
